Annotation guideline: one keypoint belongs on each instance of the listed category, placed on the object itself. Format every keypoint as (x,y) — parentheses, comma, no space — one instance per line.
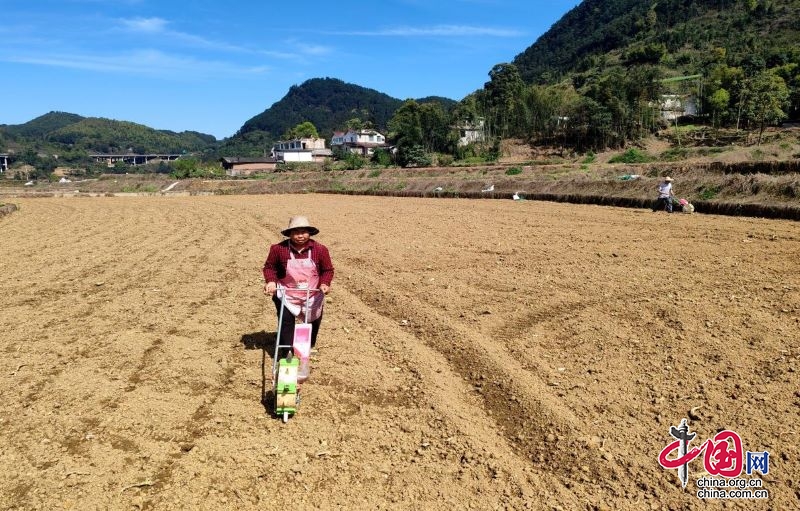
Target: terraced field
(475,354)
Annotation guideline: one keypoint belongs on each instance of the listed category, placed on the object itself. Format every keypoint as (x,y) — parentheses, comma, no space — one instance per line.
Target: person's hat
(668,179)
(299,222)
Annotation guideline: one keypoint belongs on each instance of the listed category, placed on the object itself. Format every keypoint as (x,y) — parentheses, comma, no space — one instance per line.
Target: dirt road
(475,354)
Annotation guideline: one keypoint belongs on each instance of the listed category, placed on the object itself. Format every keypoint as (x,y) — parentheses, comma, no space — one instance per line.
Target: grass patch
(674,154)
(513,171)
(708,193)
(632,156)
(590,158)
(707,151)
(470,162)
(263,177)
(375,173)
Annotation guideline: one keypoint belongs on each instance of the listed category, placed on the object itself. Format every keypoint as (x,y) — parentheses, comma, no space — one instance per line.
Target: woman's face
(299,237)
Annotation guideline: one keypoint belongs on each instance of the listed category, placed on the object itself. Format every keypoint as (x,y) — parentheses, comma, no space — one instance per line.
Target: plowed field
(475,354)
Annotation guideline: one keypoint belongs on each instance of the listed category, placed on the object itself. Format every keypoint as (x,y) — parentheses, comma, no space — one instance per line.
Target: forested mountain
(42,125)
(110,136)
(328,103)
(62,133)
(684,36)
(615,71)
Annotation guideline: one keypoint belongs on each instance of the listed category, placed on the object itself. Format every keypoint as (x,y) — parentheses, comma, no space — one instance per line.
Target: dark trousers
(663,204)
(287,327)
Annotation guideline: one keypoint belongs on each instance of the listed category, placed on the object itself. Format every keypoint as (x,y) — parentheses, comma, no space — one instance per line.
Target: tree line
(592,113)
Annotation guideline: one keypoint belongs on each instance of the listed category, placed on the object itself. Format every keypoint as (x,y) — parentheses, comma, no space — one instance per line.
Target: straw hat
(299,222)
(668,179)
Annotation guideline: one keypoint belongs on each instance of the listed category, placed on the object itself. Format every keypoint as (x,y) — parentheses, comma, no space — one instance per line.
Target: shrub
(708,193)
(590,158)
(513,171)
(183,168)
(414,156)
(445,160)
(353,161)
(382,157)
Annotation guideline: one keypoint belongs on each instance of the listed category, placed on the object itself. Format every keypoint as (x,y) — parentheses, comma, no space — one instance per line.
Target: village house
(3,163)
(235,166)
(301,150)
(363,142)
(674,106)
(470,132)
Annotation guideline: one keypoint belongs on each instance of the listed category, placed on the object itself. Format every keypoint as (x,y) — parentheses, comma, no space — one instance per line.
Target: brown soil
(473,355)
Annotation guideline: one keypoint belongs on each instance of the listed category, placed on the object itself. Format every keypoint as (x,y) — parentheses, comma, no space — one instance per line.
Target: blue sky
(210,65)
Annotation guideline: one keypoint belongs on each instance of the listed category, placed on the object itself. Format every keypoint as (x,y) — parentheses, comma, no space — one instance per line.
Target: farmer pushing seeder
(297,274)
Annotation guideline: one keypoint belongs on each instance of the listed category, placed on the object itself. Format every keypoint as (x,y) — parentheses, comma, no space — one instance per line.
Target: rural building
(471,132)
(674,106)
(133,159)
(235,166)
(3,163)
(363,142)
(301,149)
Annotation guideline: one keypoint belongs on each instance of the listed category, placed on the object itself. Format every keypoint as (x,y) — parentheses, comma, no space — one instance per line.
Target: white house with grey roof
(363,142)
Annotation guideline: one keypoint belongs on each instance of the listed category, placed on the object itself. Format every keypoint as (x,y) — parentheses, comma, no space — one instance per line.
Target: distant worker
(665,194)
(298,262)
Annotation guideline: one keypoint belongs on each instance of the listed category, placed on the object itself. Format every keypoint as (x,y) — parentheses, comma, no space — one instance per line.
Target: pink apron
(301,274)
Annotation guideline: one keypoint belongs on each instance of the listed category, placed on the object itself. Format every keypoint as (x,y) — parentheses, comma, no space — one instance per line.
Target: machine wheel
(285,417)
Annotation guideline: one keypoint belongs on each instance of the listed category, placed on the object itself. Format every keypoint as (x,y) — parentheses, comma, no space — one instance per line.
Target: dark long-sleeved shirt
(275,265)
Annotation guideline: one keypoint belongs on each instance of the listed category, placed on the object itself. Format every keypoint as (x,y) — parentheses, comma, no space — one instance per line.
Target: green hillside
(64,139)
(41,126)
(65,133)
(683,36)
(612,72)
(328,103)
(110,136)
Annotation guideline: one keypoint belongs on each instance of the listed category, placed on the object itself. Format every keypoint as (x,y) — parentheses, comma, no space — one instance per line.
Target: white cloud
(437,31)
(146,25)
(139,62)
(158,26)
(314,50)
